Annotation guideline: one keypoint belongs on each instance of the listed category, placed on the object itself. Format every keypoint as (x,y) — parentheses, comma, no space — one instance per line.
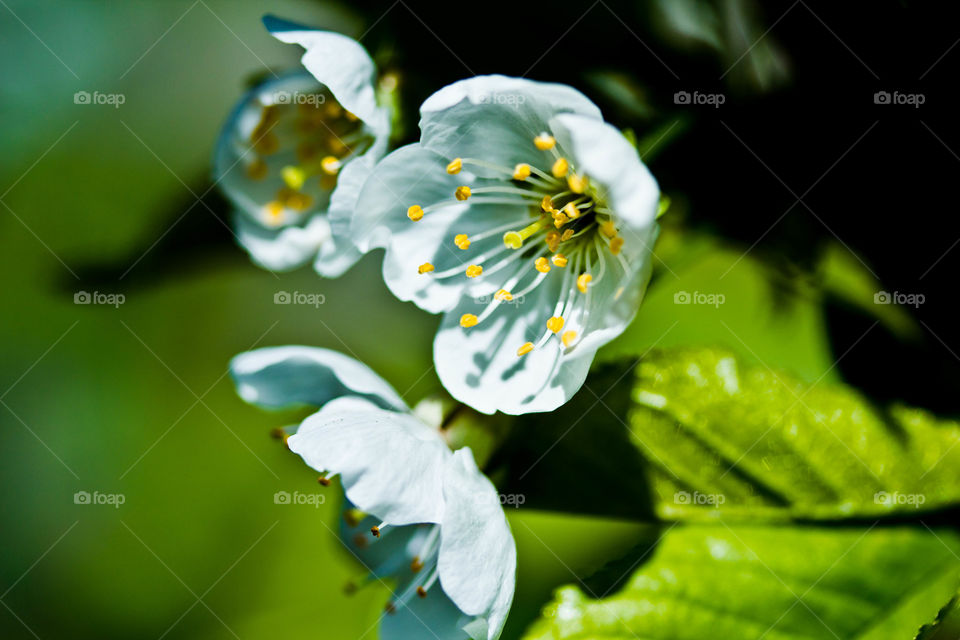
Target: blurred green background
(135,400)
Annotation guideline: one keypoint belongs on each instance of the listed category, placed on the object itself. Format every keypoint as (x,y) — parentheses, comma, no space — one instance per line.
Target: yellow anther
(375,531)
(426,267)
(542,265)
(555,323)
(294,177)
(333,109)
(462,241)
(560,219)
(546,204)
(583,280)
(544,141)
(474,270)
(502,295)
(468,320)
(608,229)
(521,172)
(567,235)
(616,245)
(575,183)
(515,239)
(462,193)
(560,168)
(415,212)
(571,210)
(421,591)
(559,260)
(455,165)
(274,211)
(552,240)
(416,564)
(568,337)
(525,348)
(330,165)
(257,170)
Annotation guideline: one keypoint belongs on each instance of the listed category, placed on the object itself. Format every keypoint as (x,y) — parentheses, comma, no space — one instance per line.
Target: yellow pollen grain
(571,210)
(274,210)
(502,295)
(426,267)
(559,260)
(616,245)
(468,320)
(544,141)
(555,323)
(546,204)
(415,212)
(462,241)
(542,265)
(294,177)
(560,168)
(474,270)
(568,337)
(521,171)
(525,348)
(567,235)
(583,281)
(455,165)
(257,170)
(462,193)
(608,229)
(330,165)
(577,184)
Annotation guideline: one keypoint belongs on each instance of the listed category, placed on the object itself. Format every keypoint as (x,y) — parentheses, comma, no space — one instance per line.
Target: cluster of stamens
(569,230)
(303,141)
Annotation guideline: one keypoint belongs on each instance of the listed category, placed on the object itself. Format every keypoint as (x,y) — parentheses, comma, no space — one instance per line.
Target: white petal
(285,376)
(432,618)
(283,248)
(391,465)
(601,151)
(495,118)
(478,558)
(339,254)
(340,63)
(413,175)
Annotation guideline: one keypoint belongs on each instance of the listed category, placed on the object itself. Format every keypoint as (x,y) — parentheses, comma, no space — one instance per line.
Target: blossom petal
(612,162)
(478,557)
(284,376)
(391,465)
(339,62)
(284,248)
(413,175)
(435,617)
(340,253)
(495,118)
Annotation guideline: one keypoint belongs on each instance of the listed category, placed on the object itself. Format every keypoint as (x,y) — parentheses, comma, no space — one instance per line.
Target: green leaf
(946,626)
(772,583)
(725,437)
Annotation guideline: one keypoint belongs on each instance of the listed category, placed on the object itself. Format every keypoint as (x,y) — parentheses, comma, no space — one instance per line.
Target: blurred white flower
(528,221)
(438,526)
(297,148)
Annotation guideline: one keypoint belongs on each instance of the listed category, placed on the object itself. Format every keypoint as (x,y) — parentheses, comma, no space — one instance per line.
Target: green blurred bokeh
(135,400)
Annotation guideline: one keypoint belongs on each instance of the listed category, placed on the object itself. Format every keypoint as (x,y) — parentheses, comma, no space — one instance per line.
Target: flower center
(569,233)
(294,150)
